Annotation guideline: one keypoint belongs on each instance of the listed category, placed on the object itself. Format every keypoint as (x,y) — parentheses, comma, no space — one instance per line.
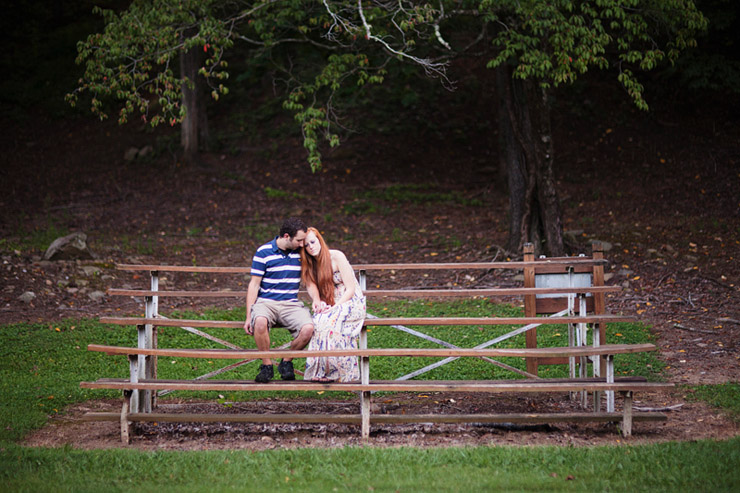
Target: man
(272,296)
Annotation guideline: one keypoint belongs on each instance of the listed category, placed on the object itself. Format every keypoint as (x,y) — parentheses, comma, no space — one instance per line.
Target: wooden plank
(560,261)
(497,320)
(377,386)
(546,306)
(562,268)
(180,294)
(420,293)
(378,293)
(518,418)
(374,322)
(184,268)
(411,352)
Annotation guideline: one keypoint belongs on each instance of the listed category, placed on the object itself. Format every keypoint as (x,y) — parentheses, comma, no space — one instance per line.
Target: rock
(96,296)
(145,151)
(91,270)
(135,153)
(27,297)
(131,154)
(70,247)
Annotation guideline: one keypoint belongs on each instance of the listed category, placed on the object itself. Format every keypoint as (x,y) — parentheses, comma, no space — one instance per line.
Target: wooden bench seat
(356,419)
(375,322)
(604,350)
(489,386)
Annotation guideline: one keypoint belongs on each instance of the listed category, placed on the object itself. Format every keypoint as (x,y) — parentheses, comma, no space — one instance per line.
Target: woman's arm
(316,304)
(348,276)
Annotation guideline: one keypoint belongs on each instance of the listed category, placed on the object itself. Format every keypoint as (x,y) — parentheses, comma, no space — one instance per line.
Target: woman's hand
(320,307)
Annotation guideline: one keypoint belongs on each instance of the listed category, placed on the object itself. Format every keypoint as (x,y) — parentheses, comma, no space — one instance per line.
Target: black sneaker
(285,368)
(265,375)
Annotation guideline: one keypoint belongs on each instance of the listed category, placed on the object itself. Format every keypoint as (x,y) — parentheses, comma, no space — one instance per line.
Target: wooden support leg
(125,423)
(596,360)
(610,379)
(364,395)
(365,411)
(134,399)
(627,419)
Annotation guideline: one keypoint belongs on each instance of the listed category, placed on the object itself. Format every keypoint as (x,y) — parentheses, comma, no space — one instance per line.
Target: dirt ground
(661,190)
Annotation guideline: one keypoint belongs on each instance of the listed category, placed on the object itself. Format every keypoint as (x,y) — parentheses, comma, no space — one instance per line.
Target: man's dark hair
(291,226)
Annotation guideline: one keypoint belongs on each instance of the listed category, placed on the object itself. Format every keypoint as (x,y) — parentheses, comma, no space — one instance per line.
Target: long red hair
(318,269)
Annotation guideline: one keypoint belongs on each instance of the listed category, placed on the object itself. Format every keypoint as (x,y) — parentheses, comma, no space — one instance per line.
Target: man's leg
(285,368)
(262,337)
(303,338)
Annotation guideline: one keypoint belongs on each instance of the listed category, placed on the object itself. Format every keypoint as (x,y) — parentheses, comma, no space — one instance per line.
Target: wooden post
(125,423)
(597,253)
(627,419)
(144,402)
(134,370)
(151,369)
(530,305)
(583,341)
(609,360)
(364,372)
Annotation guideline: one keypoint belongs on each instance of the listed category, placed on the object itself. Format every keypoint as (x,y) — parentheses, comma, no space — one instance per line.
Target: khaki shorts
(292,314)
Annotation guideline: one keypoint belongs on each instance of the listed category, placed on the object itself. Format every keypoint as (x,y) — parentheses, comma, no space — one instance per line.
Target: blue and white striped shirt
(280,271)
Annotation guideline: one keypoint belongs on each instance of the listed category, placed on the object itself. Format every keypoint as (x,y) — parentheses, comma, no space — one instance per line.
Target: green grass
(725,396)
(36,239)
(384,201)
(687,466)
(275,193)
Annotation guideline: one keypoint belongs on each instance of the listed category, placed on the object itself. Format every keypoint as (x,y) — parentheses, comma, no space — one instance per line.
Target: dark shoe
(285,368)
(265,375)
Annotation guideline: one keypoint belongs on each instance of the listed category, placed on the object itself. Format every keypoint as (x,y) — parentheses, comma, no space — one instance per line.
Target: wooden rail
(379,293)
(562,263)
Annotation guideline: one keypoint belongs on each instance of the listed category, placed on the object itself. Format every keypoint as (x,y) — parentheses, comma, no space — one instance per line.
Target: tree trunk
(524,119)
(194,133)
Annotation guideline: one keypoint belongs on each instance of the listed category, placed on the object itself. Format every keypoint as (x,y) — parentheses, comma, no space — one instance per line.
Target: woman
(338,307)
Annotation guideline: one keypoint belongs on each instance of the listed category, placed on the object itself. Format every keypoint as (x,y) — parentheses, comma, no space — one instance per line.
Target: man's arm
(252,292)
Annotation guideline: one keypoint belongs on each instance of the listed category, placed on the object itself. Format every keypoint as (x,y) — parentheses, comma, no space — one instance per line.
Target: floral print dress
(337,328)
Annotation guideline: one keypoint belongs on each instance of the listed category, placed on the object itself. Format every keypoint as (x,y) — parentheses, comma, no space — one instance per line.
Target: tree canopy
(543,44)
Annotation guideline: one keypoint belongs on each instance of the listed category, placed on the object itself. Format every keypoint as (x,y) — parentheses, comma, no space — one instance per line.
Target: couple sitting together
(299,253)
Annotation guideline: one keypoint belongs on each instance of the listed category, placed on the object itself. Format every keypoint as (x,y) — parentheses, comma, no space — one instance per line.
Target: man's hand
(248,327)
